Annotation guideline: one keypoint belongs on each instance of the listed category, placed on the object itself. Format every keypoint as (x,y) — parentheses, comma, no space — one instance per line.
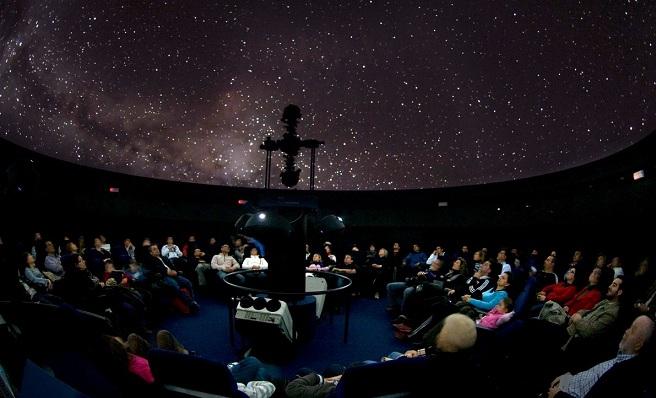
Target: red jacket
(559,292)
(584,300)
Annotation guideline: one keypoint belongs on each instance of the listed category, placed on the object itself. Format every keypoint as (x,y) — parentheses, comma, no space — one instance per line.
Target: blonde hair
(458,333)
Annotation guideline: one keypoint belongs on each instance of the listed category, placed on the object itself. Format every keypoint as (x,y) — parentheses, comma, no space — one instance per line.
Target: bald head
(458,333)
(637,335)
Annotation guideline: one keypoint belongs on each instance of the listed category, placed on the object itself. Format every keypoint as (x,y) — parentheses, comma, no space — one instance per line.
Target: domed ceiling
(405,94)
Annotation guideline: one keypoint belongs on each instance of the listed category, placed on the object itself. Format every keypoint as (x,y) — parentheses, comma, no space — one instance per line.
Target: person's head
(97,243)
(238,242)
(460,265)
(127,242)
(191,239)
(595,276)
(50,248)
(504,281)
(415,247)
(79,262)
(71,247)
(102,238)
(436,265)
(534,252)
(616,262)
(372,248)
(212,241)
(198,253)
(348,259)
(328,249)
(549,264)
(37,236)
(396,246)
(505,305)
(601,261)
(115,353)
(643,267)
(382,253)
(477,256)
(615,290)
(225,248)
(109,265)
(464,249)
(501,256)
(637,335)
(154,251)
(134,267)
(577,256)
(254,251)
(146,242)
(439,249)
(169,240)
(458,333)
(28,260)
(570,276)
(316,258)
(486,268)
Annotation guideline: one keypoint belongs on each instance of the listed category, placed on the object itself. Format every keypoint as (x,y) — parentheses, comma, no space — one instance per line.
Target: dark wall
(597,205)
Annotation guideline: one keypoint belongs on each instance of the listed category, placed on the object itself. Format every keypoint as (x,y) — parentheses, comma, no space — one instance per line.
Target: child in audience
(498,315)
(135,272)
(112,276)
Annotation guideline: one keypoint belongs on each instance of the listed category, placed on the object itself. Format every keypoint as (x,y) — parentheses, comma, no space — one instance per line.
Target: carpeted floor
(370,336)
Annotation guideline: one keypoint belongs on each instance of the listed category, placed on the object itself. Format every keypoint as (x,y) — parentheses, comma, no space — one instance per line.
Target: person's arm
(247,264)
(177,251)
(311,385)
(562,294)
(33,276)
(214,264)
(165,251)
(488,305)
(264,264)
(594,324)
(432,258)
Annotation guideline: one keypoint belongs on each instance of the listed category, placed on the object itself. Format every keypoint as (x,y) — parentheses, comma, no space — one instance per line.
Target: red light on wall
(114,189)
(242,202)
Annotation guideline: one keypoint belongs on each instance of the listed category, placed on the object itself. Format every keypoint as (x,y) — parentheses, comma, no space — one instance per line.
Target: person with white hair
(633,342)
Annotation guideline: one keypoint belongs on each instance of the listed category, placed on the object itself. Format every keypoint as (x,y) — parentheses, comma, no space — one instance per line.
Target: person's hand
(450,292)
(554,388)
(421,273)
(332,380)
(642,307)
(566,308)
(575,318)
(411,353)
(256,267)
(466,298)
(376,265)
(102,284)
(541,296)
(171,272)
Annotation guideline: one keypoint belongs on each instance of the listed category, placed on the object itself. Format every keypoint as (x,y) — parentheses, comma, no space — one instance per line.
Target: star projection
(406,94)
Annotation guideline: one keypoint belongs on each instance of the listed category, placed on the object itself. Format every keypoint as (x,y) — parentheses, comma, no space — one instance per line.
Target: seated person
(316,264)
(450,360)
(498,315)
(52,262)
(490,299)
(560,292)
(161,270)
(112,277)
(633,342)
(349,269)
(34,276)
(199,265)
(223,262)
(480,282)
(399,292)
(255,262)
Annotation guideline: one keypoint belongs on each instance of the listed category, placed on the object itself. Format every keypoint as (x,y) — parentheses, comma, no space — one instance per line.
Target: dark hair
(116,353)
(508,302)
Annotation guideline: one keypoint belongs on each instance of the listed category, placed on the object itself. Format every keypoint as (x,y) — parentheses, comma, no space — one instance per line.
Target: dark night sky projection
(406,94)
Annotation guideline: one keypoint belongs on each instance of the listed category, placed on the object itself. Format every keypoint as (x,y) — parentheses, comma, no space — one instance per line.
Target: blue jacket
(490,300)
